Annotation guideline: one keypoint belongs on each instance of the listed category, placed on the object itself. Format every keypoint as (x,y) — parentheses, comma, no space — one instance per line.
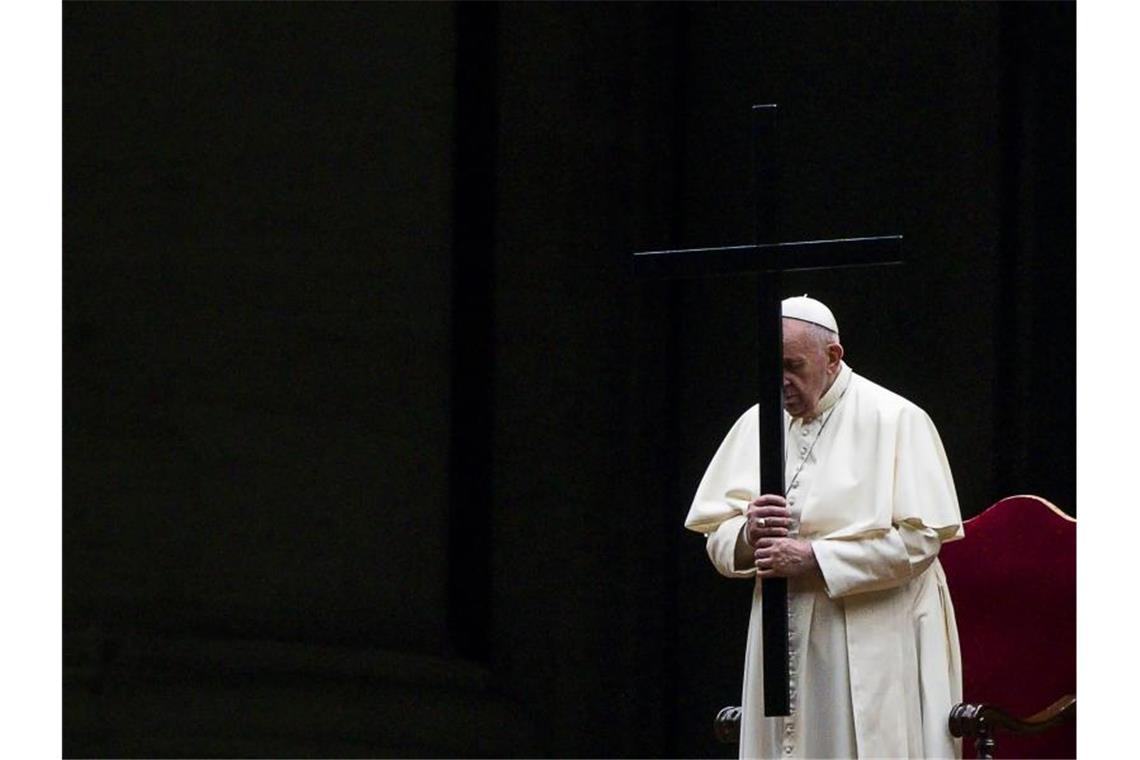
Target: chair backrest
(1013,581)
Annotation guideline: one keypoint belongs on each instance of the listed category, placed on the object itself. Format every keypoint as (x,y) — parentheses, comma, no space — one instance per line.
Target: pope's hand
(784,557)
(768,517)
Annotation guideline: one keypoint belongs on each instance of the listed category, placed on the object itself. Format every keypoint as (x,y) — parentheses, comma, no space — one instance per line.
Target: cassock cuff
(866,564)
(723,545)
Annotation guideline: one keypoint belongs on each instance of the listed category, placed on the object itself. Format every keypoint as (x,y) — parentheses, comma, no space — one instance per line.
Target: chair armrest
(969,719)
(980,720)
(726,725)
(965,720)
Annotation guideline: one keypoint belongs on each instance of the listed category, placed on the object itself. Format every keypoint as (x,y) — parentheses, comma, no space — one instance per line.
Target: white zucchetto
(810,310)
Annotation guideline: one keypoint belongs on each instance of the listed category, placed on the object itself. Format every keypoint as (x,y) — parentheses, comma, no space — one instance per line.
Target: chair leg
(985,745)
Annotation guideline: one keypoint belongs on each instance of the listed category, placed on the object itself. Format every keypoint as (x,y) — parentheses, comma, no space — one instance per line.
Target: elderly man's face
(809,368)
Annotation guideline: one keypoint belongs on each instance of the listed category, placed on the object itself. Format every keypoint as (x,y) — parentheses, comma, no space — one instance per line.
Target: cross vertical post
(768,257)
(774,591)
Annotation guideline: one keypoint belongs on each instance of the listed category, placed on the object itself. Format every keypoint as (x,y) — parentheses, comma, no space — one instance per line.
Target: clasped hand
(776,555)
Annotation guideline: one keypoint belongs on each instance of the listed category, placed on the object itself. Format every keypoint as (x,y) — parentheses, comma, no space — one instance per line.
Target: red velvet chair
(1013,583)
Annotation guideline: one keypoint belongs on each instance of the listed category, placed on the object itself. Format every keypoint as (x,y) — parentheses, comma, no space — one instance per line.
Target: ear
(834,356)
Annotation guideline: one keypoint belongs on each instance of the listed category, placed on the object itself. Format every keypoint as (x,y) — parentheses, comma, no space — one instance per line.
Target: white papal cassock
(875,664)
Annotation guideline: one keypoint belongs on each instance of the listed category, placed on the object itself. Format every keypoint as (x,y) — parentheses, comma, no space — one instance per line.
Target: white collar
(831,398)
(835,392)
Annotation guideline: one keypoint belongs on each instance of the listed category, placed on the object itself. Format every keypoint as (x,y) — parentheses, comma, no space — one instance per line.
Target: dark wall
(372,444)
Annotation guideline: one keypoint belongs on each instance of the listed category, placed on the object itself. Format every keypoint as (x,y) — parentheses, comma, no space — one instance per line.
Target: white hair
(821,335)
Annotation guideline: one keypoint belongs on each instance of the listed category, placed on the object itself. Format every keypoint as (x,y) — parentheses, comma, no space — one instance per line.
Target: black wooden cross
(769,260)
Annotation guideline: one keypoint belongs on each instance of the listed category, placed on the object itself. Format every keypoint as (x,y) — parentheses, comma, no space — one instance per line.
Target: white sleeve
(852,566)
(729,552)
(731,479)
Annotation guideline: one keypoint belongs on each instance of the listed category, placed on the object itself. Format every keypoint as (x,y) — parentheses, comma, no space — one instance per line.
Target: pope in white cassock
(874,652)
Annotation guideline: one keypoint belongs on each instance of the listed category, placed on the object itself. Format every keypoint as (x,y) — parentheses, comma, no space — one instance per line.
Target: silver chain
(803,461)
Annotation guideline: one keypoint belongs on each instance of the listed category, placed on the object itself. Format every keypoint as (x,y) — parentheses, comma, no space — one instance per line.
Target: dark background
(372,446)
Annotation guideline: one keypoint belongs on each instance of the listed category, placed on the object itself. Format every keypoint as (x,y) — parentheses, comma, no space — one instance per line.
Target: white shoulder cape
(885,465)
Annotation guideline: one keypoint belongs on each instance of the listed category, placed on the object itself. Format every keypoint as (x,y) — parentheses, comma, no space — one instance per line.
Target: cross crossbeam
(770,257)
